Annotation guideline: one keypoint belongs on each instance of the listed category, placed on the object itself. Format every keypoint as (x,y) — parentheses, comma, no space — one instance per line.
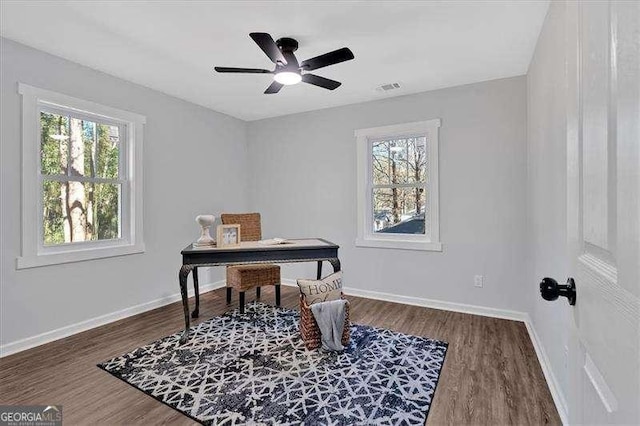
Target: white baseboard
(430,303)
(552,382)
(550,377)
(60,333)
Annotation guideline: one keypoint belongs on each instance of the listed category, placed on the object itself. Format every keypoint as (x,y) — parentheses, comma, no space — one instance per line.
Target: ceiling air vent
(387,87)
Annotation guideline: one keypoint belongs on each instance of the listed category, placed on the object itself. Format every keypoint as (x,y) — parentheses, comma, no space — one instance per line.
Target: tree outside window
(399,177)
(81,186)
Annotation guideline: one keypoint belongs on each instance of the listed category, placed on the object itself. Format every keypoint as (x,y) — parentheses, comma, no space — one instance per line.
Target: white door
(603,119)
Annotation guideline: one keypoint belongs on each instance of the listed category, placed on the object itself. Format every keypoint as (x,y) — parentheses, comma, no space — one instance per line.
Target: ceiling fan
(288,71)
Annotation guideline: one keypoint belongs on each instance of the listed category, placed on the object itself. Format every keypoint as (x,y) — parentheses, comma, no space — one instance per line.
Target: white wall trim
(24,262)
(399,244)
(552,382)
(80,105)
(430,241)
(66,331)
(431,303)
(545,364)
(34,252)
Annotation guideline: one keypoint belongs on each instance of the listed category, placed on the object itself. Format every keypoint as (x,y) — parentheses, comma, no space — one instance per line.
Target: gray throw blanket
(330,318)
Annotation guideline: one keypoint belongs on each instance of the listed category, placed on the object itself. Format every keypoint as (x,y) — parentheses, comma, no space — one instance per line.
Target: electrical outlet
(478,281)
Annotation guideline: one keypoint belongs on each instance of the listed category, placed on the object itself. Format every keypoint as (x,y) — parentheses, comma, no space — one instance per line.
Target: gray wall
(303,181)
(195,162)
(547,185)
(299,172)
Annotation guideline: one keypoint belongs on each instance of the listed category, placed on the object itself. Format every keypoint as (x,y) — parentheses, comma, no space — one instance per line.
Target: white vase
(205,240)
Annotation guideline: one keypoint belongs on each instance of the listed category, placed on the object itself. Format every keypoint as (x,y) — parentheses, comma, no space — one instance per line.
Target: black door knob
(550,290)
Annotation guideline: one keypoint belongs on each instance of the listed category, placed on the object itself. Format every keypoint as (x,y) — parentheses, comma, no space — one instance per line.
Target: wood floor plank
(490,376)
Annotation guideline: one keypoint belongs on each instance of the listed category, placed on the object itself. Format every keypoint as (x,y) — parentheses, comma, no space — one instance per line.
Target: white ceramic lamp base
(205,240)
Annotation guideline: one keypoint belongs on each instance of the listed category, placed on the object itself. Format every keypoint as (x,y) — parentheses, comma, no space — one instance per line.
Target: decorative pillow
(328,288)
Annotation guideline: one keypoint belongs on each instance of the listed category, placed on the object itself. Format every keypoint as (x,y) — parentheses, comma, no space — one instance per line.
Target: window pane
(399,210)
(80,211)
(54,144)
(399,161)
(94,149)
(381,166)
(53,217)
(107,155)
(417,160)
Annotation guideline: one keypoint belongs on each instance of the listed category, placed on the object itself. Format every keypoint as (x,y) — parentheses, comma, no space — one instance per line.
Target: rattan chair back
(250,228)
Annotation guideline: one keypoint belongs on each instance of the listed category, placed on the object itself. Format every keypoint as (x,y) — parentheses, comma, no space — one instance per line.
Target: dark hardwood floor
(491,374)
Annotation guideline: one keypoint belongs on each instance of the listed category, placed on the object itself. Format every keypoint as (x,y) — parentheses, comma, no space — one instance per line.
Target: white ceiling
(172,46)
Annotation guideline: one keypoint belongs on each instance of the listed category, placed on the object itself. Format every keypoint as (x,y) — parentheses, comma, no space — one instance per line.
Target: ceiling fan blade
(273,88)
(243,70)
(269,47)
(327,59)
(316,80)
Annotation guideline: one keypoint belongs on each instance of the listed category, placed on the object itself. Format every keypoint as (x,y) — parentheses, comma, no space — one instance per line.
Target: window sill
(35,261)
(399,244)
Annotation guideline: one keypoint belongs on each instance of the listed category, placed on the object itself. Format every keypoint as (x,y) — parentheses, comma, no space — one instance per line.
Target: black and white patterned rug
(254,369)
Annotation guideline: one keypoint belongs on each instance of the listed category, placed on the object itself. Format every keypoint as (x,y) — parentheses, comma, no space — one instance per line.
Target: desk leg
(182,277)
(196,290)
(319,274)
(335,262)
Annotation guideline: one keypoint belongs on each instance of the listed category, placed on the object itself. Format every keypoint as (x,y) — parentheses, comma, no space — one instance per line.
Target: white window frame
(34,252)
(430,241)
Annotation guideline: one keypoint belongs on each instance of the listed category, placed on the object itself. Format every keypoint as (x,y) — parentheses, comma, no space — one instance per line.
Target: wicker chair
(246,277)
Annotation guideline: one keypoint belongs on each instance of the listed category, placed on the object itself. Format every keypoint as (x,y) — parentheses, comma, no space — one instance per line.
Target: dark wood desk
(299,250)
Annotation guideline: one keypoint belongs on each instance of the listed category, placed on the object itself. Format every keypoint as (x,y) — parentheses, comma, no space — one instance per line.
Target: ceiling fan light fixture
(288,70)
(287,78)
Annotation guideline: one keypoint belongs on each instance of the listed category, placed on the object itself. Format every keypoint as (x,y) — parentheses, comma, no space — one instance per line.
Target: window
(398,186)
(82,180)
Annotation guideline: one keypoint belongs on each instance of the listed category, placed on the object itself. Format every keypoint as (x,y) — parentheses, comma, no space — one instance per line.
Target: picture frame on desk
(228,235)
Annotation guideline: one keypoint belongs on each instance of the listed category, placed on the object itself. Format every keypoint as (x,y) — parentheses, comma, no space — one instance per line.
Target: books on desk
(274,243)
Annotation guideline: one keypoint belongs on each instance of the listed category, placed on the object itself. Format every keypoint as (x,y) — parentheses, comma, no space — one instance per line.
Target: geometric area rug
(253,368)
